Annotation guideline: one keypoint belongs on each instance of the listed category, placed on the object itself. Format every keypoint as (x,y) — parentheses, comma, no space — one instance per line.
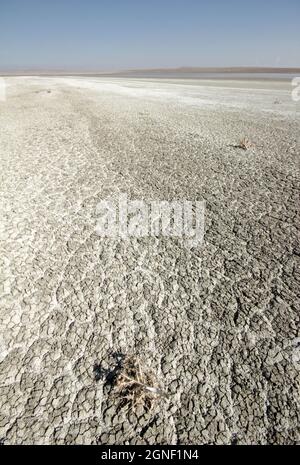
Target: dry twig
(244,144)
(137,386)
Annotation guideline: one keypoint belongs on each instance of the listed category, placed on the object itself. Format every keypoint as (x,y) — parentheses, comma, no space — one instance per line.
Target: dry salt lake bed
(214,328)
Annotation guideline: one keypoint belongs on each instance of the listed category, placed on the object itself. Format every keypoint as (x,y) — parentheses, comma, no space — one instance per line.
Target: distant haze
(94,36)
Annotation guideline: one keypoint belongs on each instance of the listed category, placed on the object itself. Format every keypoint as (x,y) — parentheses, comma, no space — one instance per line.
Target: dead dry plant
(244,144)
(136,385)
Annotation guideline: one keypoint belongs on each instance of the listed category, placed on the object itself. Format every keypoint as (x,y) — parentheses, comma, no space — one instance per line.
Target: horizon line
(190,69)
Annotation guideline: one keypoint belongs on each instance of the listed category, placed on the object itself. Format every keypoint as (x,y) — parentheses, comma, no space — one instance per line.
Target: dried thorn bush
(137,385)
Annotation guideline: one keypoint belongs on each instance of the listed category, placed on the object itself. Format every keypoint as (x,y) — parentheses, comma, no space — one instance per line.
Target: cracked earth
(218,324)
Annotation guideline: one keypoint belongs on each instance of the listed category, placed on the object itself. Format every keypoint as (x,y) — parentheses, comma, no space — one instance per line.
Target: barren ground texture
(218,324)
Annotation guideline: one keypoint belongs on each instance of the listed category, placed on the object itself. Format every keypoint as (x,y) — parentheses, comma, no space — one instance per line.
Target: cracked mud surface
(218,324)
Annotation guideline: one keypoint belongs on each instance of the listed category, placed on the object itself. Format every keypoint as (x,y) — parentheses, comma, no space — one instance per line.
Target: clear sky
(116,34)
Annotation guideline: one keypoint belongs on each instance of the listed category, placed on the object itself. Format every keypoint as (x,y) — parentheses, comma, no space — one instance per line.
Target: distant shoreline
(152,72)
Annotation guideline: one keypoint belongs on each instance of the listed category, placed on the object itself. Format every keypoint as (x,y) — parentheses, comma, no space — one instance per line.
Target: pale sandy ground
(218,324)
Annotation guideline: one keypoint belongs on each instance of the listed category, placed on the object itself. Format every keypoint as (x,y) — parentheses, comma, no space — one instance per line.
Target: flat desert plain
(217,325)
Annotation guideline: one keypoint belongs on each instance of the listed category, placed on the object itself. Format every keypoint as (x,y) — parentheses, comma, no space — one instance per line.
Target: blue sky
(113,34)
